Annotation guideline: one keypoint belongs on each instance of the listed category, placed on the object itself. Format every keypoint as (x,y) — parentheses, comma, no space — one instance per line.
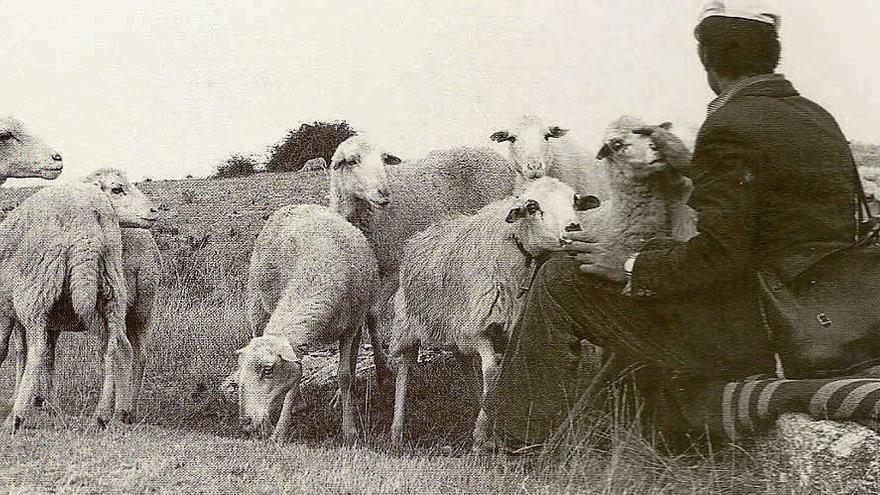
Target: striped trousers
(542,375)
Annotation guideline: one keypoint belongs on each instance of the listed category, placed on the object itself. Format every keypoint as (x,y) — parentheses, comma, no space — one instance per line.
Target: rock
(821,456)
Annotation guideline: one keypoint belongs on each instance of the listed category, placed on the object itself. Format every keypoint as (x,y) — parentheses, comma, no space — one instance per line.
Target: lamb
(61,256)
(647,195)
(312,279)
(23,154)
(390,206)
(537,149)
(462,277)
(142,270)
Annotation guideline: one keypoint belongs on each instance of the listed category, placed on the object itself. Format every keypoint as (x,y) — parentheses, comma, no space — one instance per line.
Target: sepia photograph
(440,247)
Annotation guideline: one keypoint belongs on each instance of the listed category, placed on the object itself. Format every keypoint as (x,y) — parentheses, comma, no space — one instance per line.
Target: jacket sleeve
(725,197)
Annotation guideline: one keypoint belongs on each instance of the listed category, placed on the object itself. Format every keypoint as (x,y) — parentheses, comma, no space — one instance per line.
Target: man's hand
(669,146)
(595,257)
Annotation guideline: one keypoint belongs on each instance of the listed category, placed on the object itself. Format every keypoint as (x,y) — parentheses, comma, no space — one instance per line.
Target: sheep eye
(617,144)
(117,190)
(6,136)
(266,371)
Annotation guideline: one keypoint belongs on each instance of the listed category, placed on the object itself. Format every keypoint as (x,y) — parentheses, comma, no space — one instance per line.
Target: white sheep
(142,270)
(23,154)
(312,279)
(538,149)
(647,195)
(61,256)
(463,276)
(389,206)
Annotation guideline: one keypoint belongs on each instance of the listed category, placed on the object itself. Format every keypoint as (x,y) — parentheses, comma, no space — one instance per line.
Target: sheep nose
(56,157)
(154,210)
(573,227)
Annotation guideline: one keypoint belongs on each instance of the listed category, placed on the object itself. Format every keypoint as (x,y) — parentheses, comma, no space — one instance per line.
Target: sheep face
(358,169)
(24,155)
(545,211)
(268,369)
(134,208)
(529,143)
(632,155)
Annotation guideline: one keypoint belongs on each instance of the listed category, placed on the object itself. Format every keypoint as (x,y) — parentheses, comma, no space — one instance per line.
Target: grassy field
(187,439)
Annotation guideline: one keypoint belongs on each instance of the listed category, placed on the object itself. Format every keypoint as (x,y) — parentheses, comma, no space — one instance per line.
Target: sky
(168,88)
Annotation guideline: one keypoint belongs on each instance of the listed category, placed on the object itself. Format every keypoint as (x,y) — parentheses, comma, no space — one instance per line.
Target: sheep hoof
(126,417)
(350,437)
(39,401)
(101,423)
(12,424)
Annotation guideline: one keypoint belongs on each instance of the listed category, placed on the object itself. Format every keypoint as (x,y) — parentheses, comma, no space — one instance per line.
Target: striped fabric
(738,86)
(740,409)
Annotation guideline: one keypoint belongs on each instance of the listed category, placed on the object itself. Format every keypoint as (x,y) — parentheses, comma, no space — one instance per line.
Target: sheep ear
(390,159)
(586,202)
(556,132)
(516,213)
(287,353)
(605,152)
(666,126)
(500,136)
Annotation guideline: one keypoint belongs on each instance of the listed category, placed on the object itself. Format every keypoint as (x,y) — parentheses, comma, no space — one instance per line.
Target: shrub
(235,166)
(318,139)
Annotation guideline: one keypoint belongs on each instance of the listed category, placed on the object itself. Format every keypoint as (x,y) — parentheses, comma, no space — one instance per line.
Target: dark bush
(318,139)
(235,166)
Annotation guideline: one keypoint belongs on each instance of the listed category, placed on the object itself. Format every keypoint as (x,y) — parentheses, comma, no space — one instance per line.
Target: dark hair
(736,48)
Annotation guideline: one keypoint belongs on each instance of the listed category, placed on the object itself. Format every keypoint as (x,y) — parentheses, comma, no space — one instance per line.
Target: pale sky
(169,88)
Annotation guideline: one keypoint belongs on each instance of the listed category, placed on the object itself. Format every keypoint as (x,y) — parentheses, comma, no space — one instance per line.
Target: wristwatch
(628,266)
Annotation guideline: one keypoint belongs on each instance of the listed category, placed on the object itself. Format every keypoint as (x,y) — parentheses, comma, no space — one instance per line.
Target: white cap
(756,10)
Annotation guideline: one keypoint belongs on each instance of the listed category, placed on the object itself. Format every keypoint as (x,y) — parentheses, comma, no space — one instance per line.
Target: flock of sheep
(434,252)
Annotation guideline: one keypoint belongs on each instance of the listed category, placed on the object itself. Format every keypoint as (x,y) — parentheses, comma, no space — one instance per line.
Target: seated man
(775,189)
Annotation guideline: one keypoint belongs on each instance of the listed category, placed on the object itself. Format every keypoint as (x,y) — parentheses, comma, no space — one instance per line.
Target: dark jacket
(775,189)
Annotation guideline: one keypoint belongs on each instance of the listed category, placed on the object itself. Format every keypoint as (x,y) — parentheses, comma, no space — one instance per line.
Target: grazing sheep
(647,194)
(389,207)
(24,155)
(312,279)
(314,164)
(462,277)
(538,149)
(61,257)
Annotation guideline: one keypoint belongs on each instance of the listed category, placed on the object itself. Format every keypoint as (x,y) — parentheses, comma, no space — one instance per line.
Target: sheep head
(631,153)
(358,168)
(134,208)
(529,144)
(546,210)
(268,368)
(24,155)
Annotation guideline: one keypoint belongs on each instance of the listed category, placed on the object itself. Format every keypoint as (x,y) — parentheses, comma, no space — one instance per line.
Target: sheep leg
(282,428)
(380,360)
(346,349)
(117,358)
(35,363)
(11,328)
(136,334)
(407,359)
(490,371)
(46,390)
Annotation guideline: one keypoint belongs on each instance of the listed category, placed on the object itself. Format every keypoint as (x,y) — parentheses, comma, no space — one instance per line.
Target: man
(775,189)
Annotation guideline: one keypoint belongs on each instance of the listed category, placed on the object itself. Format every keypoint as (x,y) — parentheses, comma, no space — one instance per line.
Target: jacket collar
(774,85)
